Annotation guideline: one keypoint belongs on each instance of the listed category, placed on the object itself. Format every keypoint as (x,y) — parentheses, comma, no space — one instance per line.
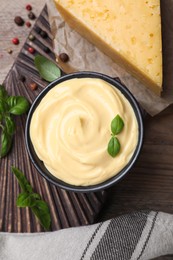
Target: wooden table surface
(149,185)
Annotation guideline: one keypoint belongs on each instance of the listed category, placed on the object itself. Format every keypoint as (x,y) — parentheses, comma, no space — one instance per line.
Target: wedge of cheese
(127,31)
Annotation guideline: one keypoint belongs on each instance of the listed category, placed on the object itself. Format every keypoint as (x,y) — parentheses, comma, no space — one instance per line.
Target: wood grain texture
(68,209)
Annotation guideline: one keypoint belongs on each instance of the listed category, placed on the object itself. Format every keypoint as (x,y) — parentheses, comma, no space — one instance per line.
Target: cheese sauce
(71,127)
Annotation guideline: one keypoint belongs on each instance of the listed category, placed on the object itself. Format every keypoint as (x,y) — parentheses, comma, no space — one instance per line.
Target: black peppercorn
(31,16)
(64,57)
(22,78)
(38,29)
(19,20)
(46,49)
(43,34)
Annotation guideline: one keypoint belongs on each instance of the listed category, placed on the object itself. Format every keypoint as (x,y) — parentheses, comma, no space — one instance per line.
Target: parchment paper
(86,57)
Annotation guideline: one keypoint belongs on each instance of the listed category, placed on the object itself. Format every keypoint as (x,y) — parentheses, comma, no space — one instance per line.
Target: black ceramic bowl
(39,164)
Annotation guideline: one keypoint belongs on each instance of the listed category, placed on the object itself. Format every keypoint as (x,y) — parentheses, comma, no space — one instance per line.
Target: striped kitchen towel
(137,236)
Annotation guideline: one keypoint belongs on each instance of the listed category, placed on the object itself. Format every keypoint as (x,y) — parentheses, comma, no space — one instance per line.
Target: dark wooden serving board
(68,209)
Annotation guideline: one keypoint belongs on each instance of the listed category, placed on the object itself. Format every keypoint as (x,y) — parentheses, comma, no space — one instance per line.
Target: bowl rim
(100,186)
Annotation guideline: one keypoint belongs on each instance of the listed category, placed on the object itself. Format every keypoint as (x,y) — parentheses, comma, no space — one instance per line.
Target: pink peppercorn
(31,50)
(28,7)
(28,24)
(15,41)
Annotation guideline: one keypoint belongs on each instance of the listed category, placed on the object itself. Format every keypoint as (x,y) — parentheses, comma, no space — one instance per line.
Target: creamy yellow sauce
(70,130)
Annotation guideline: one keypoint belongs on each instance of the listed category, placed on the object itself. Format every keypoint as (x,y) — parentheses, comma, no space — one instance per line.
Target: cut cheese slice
(128,31)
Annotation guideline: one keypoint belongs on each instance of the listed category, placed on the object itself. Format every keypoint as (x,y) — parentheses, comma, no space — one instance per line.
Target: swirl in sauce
(70,130)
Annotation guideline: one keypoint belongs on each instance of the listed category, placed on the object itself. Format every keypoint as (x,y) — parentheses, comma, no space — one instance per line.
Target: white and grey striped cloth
(138,236)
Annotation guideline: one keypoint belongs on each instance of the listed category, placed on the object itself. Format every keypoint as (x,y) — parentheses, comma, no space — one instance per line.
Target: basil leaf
(24,184)
(117,125)
(18,105)
(6,141)
(11,101)
(41,210)
(36,196)
(46,68)
(25,200)
(113,146)
(3,106)
(3,92)
(10,125)
(33,200)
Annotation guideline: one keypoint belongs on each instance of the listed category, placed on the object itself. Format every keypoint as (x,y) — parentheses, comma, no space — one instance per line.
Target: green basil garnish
(117,126)
(113,146)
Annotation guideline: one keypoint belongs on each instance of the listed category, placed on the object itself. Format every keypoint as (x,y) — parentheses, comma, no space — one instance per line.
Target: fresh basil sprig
(117,126)
(28,198)
(9,106)
(46,68)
